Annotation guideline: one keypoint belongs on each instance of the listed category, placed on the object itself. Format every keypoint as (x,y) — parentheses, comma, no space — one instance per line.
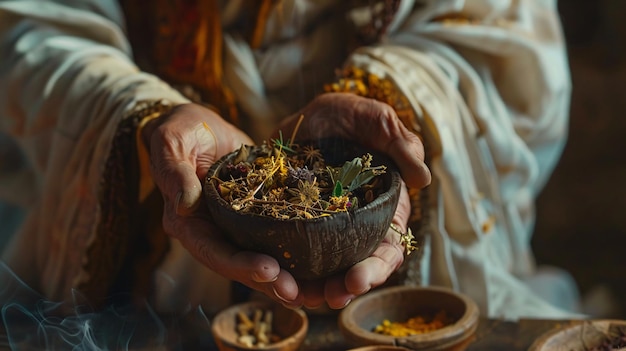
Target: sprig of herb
(283,145)
(354,174)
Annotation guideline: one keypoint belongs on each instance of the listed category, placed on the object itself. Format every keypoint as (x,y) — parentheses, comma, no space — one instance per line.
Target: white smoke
(30,322)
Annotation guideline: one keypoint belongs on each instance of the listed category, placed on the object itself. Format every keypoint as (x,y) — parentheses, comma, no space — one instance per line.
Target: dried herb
(256,331)
(285,180)
(612,340)
(413,326)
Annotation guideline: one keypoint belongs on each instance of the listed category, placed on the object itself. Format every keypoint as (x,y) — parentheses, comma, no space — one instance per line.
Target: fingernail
(179,195)
(367,289)
(426,172)
(291,305)
(257,278)
(280,297)
(345,304)
(313,307)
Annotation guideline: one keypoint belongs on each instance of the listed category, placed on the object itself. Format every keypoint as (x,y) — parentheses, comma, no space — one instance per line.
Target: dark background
(581,219)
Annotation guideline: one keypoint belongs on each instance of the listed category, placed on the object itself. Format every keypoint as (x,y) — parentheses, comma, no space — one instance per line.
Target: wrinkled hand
(182,150)
(375,125)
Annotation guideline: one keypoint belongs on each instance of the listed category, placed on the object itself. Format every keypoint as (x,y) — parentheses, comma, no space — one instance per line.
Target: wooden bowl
(311,248)
(290,325)
(579,336)
(397,304)
(380,348)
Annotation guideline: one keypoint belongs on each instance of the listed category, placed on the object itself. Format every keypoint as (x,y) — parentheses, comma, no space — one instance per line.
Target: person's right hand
(375,125)
(183,145)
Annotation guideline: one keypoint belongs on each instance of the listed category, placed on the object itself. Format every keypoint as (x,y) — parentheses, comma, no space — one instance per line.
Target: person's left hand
(372,124)
(183,144)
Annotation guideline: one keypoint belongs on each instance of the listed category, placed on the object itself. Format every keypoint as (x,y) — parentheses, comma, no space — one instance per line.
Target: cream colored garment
(492,95)
(65,82)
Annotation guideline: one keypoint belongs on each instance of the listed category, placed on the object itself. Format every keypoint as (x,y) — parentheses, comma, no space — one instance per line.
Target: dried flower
(238,170)
(307,194)
(340,203)
(294,175)
(311,155)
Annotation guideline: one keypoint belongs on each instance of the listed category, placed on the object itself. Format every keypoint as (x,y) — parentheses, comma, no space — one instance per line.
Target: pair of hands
(182,151)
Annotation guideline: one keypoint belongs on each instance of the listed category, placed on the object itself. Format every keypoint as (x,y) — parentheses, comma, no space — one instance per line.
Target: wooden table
(491,334)
(193,333)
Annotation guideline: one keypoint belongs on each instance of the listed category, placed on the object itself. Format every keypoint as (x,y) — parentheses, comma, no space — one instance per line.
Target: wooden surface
(193,333)
(492,334)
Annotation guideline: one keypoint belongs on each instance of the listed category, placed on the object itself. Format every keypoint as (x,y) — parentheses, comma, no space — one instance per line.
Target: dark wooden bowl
(580,335)
(397,304)
(379,348)
(318,247)
(290,325)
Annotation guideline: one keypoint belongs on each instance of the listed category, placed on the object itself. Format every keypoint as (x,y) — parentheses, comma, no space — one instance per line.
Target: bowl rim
(451,334)
(395,182)
(379,348)
(300,334)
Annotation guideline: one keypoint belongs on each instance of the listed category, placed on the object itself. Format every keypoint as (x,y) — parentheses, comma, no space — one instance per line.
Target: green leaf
(280,143)
(350,170)
(338,190)
(362,179)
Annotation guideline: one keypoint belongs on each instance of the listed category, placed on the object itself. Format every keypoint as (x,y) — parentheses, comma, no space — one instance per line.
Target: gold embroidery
(456,19)
(181,41)
(145,114)
(356,80)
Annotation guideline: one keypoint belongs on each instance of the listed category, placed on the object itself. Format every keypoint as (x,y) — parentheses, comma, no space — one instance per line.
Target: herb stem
(285,203)
(295,130)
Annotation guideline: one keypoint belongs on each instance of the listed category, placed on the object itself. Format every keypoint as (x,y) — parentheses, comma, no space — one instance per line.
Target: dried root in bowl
(256,330)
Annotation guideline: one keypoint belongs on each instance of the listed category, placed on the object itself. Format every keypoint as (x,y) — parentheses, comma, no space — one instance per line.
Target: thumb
(177,143)
(179,185)
(176,178)
(181,188)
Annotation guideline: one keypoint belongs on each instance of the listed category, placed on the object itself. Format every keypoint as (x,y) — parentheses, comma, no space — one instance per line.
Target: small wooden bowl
(311,248)
(379,348)
(397,304)
(579,336)
(290,325)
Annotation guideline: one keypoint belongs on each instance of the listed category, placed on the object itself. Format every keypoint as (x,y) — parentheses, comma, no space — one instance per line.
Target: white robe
(491,93)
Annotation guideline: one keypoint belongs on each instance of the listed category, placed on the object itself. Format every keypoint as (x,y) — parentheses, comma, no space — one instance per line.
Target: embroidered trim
(127,247)
(146,184)
(182,42)
(356,80)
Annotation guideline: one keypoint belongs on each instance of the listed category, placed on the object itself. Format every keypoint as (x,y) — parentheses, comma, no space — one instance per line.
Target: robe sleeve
(69,93)
(489,87)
